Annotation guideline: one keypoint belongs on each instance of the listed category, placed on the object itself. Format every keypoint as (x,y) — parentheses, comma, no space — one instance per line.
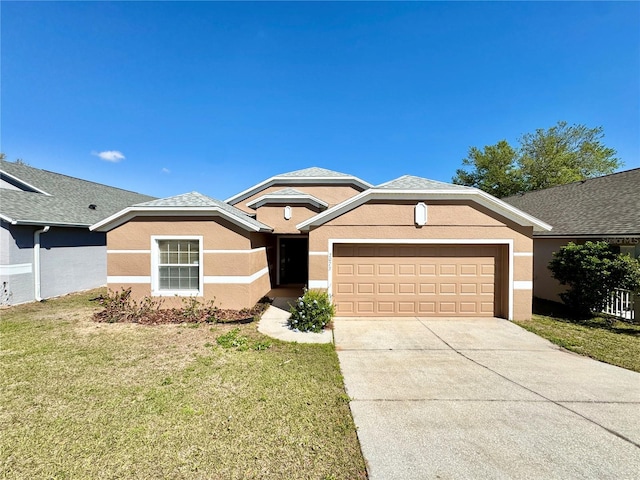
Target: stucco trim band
(254,250)
(522,285)
(235,279)
(129,251)
(15,269)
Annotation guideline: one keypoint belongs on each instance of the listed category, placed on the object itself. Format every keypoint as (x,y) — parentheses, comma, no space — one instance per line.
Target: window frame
(155,267)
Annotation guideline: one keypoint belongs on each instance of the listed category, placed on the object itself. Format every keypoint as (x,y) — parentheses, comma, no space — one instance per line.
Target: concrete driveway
(483,398)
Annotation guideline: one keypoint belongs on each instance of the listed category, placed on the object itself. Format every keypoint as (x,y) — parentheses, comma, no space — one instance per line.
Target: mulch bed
(158,316)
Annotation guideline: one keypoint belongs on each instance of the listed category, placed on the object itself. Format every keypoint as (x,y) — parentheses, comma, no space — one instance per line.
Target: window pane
(178,265)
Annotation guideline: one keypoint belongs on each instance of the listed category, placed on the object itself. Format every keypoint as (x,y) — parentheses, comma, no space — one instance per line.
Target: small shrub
(195,311)
(120,307)
(312,312)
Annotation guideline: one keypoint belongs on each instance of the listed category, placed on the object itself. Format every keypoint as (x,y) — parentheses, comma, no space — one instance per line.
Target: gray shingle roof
(410,182)
(608,205)
(68,200)
(196,199)
(314,172)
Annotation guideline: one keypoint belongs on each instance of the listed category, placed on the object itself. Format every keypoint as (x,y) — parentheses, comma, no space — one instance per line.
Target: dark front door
(294,258)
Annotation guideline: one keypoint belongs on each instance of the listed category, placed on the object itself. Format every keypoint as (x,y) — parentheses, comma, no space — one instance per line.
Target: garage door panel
(390,280)
(407,288)
(427,288)
(386,269)
(428,270)
(366,269)
(345,269)
(366,288)
(345,288)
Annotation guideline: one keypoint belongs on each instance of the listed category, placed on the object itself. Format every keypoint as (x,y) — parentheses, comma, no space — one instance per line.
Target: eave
(478,196)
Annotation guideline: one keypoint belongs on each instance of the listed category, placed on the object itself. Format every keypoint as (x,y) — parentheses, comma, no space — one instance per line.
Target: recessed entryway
(293,260)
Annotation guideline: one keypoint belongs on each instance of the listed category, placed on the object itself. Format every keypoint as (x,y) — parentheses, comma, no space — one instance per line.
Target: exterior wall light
(420,214)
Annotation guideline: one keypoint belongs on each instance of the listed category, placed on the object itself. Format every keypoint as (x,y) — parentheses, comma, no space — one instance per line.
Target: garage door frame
(508,242)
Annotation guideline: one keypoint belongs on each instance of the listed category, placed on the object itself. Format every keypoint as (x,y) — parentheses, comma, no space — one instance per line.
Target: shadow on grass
(562,313)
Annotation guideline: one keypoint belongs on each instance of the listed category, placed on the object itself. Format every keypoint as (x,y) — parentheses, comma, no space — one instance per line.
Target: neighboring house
(46,248)
(604,208)
(408,247)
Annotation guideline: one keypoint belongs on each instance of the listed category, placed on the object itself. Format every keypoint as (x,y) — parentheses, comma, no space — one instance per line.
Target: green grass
(617,343)
(94,400)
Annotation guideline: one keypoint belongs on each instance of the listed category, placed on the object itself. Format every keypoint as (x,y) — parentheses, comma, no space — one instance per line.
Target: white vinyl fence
(621,304)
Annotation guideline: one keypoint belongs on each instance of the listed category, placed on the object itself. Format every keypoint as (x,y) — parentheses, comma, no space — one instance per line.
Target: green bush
(592,271)
(312,312)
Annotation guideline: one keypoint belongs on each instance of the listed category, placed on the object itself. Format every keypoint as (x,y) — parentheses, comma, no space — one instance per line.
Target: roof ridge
(576,182)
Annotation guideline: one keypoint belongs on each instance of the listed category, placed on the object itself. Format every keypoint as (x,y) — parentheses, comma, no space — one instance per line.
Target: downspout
(36,262)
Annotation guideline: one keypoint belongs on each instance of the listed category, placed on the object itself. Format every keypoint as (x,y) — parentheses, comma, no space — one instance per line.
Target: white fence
(621,304)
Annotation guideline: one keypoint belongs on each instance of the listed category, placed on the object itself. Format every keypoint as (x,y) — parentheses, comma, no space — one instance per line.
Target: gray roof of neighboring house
(196,199)
(66,201)
(608,205)
(410,182)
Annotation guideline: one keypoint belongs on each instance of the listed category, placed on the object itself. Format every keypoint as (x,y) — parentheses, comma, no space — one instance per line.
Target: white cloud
(110,155)
(165,170)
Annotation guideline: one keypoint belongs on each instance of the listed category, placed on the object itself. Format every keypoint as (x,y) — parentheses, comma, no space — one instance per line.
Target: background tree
(592,271)
(556,156)
(494,170)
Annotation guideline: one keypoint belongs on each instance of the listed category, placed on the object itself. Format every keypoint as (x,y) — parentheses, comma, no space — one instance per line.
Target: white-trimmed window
(176,265)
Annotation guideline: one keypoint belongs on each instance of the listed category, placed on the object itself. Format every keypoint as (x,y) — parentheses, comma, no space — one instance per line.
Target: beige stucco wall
(236,253)
(218,233)
(455,220)
(331,194)
(544,285)
(273,215)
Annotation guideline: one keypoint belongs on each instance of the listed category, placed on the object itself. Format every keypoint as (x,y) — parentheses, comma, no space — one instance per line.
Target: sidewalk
(274,324)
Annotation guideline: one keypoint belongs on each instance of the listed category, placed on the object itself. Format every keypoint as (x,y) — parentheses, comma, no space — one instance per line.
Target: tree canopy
(556,156)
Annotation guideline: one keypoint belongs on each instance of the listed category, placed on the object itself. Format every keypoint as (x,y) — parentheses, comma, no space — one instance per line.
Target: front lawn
(81,399)
(617,343)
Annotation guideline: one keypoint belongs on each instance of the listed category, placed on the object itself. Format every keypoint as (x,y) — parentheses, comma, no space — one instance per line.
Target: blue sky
(215,97)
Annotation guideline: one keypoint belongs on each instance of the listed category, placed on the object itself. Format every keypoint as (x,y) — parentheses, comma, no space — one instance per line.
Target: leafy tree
(556,156)
(592,271)
(494,170)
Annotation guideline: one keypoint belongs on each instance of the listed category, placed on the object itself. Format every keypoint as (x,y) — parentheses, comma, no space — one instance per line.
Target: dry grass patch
(94,400)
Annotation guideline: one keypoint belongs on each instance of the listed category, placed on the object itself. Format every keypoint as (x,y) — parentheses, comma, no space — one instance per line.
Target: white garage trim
(429,241)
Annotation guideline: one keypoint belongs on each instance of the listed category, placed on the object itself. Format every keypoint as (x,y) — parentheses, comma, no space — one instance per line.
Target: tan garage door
(416,280)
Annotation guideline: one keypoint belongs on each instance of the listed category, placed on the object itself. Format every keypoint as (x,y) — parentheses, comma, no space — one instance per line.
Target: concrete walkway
(483,398)
(274,324)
